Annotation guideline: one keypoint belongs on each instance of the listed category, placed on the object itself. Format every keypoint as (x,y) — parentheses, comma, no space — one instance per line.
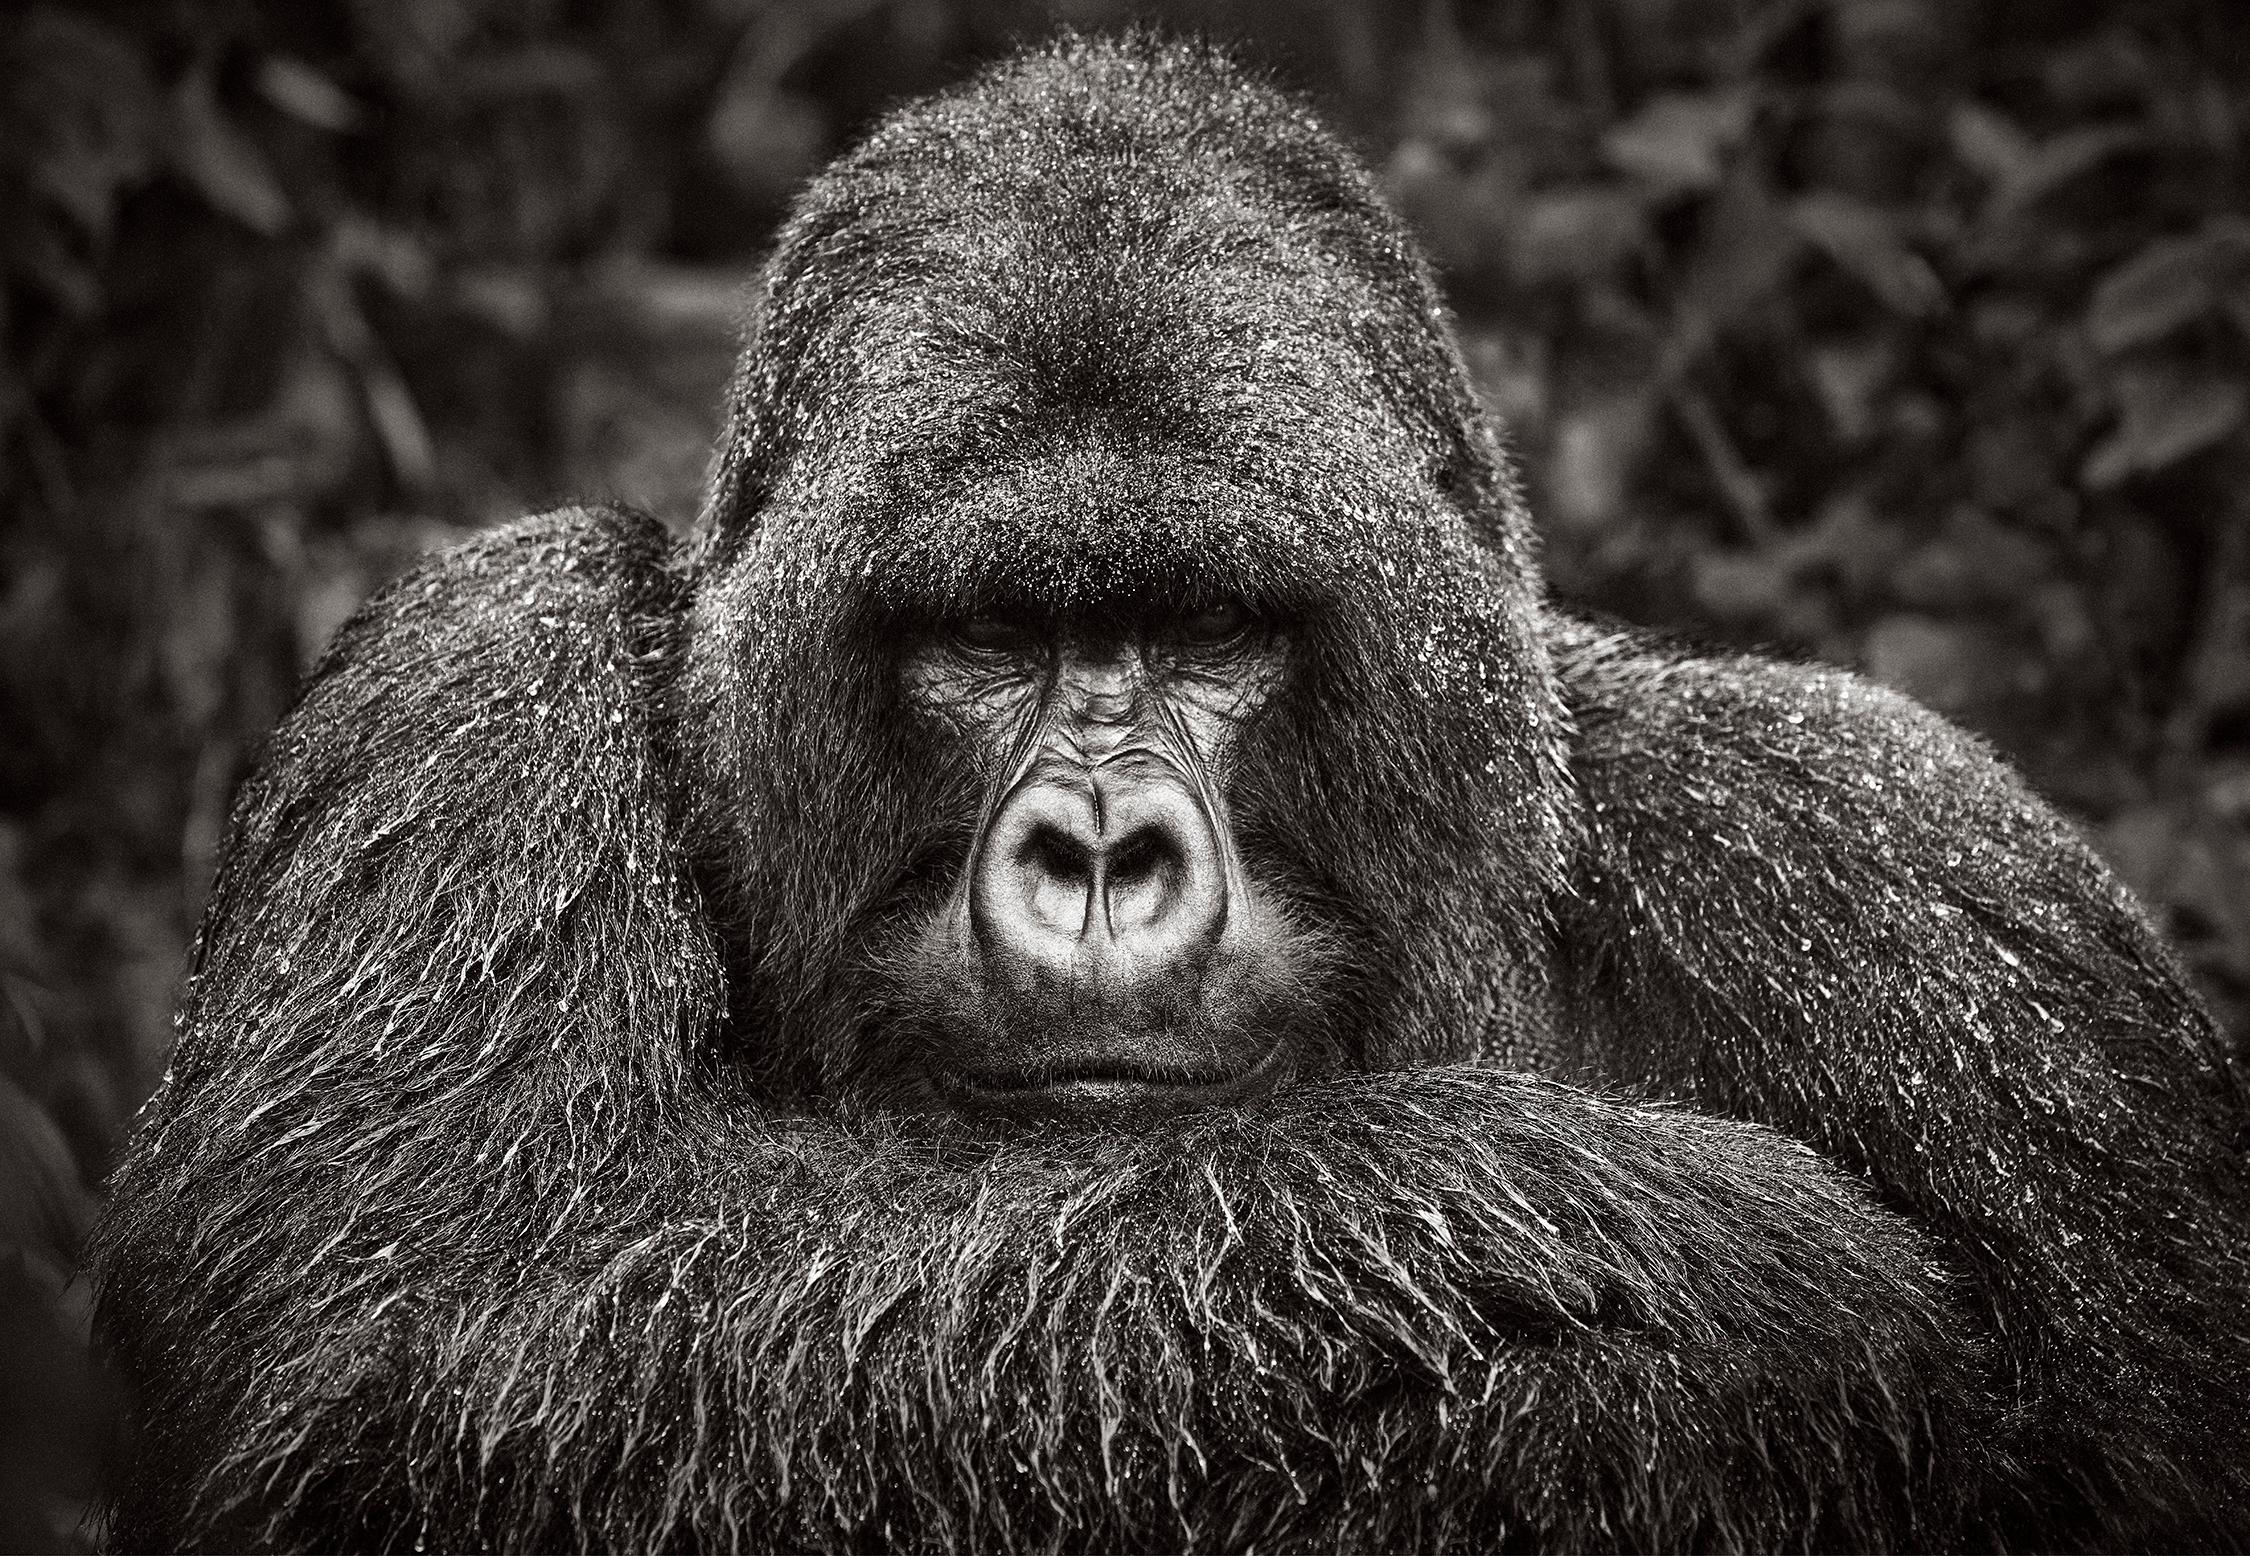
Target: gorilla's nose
(1116,879)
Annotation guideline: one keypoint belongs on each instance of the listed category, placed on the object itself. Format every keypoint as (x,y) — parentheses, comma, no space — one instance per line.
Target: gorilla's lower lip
(1102,1090)
(1093,1075)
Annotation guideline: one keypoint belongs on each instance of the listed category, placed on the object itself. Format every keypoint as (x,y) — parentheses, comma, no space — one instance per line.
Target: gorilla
(1093,966)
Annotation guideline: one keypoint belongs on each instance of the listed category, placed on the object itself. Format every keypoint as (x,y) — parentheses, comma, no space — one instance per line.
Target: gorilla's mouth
(1253,1015)
(1109,1088)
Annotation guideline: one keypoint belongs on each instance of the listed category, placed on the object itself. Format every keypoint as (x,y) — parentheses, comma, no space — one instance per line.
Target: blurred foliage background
(1912,335)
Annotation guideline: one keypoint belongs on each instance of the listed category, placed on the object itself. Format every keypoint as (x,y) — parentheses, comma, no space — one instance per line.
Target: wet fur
(523,1177)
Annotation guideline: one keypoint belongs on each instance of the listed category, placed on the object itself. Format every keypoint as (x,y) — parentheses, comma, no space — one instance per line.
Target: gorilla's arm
(445,983)
(447,1227)
(1974,1016)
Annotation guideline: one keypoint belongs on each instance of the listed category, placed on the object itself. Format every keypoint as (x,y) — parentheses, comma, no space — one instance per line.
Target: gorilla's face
(1105,947)
(1104,696)
(1054,856)
(1099,782)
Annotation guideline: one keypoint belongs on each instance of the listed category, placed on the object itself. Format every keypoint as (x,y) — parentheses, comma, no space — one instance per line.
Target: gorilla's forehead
(1075,302)
(1095,525)
(1094,408)
(1083,250)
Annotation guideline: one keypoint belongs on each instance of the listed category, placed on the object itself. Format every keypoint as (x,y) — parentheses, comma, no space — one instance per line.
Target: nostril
(1053,872)
(1052,852)
(1145,876)
(1141,857)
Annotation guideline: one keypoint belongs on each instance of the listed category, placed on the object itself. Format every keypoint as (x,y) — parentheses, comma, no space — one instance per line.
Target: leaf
(1974,563)
(1679,141)
(1595,450)
(37,254)
(1742,255)
(1575,235)
(1989,142)
(2065,158)
(225,167)
(2168,413)
(1850,377)
(391,408)
(301,446)
(2155,292)
(2169,283)
(306,95)
(1866,242)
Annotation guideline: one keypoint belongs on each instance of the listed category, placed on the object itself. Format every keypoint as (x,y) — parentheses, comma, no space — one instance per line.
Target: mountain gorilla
(1093,967)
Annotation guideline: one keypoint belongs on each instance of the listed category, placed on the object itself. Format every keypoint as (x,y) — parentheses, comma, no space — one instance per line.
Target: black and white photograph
(1064,776)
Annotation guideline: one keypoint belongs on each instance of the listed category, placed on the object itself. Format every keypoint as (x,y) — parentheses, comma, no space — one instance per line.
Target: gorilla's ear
(741,478)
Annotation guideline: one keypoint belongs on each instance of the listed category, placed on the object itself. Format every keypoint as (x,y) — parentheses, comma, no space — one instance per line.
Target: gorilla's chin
(1257,1014)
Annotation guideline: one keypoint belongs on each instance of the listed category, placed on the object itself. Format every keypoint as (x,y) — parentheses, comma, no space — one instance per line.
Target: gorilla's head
(1111,677)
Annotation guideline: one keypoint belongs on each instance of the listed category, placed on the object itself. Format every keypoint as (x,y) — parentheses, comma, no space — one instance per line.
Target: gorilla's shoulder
(1662,733)
(1743,815)
(503,680)
(570,564)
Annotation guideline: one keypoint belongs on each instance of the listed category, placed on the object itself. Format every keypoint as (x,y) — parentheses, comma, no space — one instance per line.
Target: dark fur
(526,1177)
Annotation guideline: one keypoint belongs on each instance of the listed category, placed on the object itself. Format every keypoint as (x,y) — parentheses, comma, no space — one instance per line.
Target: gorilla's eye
(991,635)
(1213,626)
